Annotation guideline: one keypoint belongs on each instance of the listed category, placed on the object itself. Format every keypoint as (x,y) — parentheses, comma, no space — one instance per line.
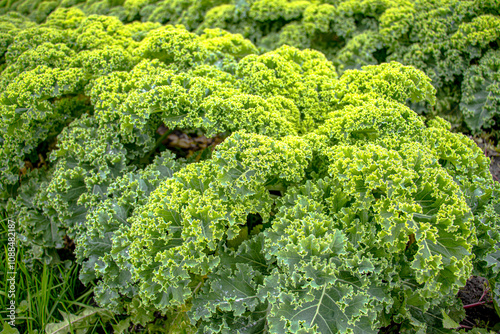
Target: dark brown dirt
(68,251)
(482,315)
(187,145)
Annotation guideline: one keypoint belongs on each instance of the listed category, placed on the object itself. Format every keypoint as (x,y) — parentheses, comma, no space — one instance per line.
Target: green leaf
(228,290)
(331,308)
(7,329)
(249,252)
(229,301)
(448,322)
(80,323)
(434,320)
(138,313)
(23,307)
(177,322)
(122,326)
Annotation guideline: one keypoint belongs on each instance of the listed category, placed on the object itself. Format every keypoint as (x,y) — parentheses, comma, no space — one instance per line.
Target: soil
(68,252)
(482,315)
(187,145)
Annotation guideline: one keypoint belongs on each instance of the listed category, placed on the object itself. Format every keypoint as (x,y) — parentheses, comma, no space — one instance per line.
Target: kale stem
(464,326)
(476,304)
(485,291)
(197,287)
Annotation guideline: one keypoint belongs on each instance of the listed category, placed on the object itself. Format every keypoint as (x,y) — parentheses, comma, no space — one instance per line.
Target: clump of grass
(42,291)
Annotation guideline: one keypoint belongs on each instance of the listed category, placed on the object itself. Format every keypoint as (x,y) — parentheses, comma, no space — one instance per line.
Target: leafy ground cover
(197,182)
